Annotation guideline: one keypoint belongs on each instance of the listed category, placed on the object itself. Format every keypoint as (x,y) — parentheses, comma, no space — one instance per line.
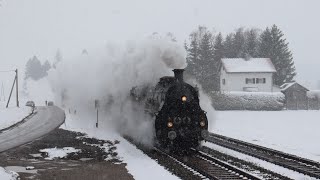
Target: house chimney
(178,74)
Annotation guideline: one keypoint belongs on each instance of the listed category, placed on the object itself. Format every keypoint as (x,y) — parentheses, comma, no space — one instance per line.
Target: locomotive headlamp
(170,124)
(202,123)
(184,98)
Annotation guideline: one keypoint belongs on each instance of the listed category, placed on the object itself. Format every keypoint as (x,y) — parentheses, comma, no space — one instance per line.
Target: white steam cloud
(108,75)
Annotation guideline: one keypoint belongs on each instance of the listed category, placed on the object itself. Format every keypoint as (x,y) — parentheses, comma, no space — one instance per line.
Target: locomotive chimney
(178,74)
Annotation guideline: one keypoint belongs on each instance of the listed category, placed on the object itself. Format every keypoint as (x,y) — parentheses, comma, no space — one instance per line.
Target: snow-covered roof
(237,65)
(285,86)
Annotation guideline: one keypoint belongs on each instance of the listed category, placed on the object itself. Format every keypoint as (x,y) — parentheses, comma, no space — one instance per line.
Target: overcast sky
(40,27)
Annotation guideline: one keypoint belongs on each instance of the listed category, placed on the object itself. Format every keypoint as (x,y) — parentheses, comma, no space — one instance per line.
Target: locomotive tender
(180,123)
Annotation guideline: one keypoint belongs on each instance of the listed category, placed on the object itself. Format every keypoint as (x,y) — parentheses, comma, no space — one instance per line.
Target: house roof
(286,86)
(237,65)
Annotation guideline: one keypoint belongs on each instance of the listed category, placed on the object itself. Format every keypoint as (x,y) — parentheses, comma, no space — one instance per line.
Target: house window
(250,81)
(260,80)
(223,81)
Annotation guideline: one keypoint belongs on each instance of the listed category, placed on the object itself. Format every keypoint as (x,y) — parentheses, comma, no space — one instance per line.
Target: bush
(248,101)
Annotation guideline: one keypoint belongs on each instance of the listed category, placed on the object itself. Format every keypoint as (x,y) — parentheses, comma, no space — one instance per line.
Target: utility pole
(14,82)
(17,94)
(97,105)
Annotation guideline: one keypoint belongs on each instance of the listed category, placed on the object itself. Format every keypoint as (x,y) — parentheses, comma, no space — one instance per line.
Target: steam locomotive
(179,120)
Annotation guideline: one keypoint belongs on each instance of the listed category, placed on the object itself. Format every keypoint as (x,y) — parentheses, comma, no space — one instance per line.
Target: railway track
(213,168)
(197,165)
(301,165)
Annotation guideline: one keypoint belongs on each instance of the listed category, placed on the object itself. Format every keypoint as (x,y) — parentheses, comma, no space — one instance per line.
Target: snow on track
(47,119)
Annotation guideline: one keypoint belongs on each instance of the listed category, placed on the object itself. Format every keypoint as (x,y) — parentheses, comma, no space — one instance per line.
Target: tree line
(36,70)
(205,50)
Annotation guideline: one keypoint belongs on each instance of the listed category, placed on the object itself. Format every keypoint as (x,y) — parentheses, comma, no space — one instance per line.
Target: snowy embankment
(7,175)
(139,165)
(8,117)
(12,115)
(294,132)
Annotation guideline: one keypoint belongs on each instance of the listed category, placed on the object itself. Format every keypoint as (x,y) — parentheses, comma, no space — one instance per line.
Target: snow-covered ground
(7,175)
(58,152)
(295,132)
(12,115)
(139,165)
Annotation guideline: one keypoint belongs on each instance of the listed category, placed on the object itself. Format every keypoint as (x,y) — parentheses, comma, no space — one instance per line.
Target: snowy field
(295,132)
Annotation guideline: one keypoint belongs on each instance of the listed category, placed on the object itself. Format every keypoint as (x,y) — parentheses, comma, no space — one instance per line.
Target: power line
(8,71)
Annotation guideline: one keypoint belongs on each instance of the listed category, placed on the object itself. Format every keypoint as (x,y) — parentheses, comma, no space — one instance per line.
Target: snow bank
(58,152)
(7,175)
(248,101)
(12,115)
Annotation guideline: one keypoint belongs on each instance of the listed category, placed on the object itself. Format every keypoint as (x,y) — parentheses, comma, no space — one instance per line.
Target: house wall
(237,81)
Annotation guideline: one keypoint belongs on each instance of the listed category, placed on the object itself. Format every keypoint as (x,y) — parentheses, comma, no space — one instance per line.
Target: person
(46,103)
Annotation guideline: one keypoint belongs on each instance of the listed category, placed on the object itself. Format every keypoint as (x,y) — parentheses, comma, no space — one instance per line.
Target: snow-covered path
(46,120)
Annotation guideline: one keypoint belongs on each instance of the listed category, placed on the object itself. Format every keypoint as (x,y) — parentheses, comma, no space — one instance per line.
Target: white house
(253,75)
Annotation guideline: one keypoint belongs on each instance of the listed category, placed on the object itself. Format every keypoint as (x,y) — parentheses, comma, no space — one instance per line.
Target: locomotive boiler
(179,120)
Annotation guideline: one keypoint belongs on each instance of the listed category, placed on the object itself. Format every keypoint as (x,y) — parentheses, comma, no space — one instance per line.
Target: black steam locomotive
(179,120)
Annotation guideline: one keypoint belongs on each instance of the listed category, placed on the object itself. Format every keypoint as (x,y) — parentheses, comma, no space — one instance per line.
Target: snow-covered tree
(273,45)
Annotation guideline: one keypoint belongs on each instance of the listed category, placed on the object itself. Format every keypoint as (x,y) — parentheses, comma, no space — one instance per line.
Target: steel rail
(302,165)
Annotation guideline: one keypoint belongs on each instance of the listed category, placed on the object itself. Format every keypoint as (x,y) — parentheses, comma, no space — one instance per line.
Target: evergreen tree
(238,44)
(46,67)
(251,43)
(33,69)
(219,50)
(228,45)
(192,55)
(218,54)
(84,52)
(274,46)
(206,62)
